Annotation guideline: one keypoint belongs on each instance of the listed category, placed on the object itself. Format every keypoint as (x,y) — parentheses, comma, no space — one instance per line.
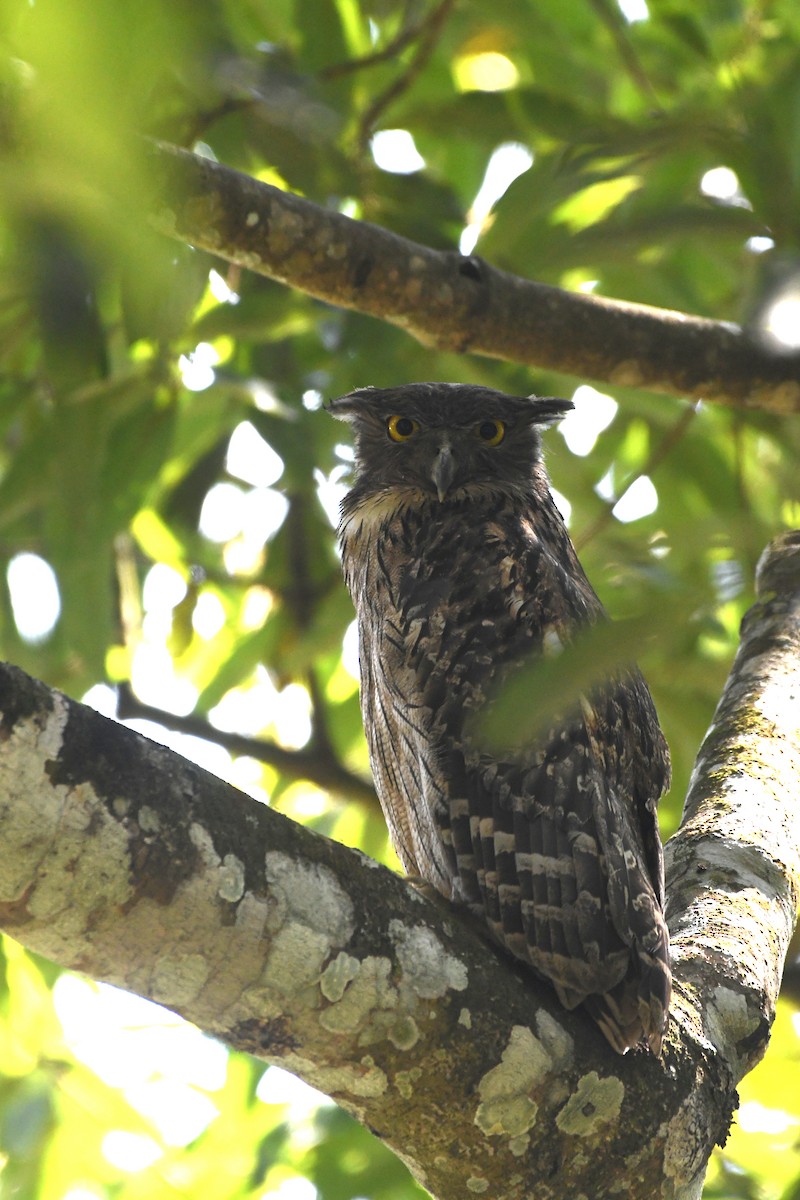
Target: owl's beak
(443,471)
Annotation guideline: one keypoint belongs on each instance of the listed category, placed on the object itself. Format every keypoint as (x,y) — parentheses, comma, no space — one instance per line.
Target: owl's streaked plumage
(461,570)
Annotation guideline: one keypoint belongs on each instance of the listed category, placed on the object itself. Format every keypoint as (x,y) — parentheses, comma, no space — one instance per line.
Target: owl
(462,573)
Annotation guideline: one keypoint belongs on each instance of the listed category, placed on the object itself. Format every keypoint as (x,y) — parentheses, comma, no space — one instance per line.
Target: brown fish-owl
(462,571)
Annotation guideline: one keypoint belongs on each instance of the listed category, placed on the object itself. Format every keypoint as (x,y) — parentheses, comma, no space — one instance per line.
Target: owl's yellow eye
(400,428)
(491,432)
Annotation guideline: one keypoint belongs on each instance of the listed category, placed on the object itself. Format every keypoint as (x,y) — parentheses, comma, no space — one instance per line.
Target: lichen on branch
(123,860)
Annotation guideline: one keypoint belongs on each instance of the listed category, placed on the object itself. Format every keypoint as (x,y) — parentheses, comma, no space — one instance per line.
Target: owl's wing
(551,854)
(557,845)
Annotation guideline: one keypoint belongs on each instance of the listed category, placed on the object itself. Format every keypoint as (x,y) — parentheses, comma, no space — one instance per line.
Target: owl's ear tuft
(546,410)
(345,408)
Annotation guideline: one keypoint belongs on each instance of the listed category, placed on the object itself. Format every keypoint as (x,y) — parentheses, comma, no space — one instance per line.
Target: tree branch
(408,34)
(430,31)
(126,862)
(734,867)
(457,303)
(611,16)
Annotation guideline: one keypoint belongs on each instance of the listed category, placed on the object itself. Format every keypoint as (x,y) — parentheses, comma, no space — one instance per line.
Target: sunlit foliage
(168,479)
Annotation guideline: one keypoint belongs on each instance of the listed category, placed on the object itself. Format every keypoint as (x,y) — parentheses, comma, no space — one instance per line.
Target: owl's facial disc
(443,471)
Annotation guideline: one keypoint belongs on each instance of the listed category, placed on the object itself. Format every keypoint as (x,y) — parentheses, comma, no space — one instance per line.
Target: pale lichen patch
(557,1042)
(295,963)
(178,979)
(369,991)
(87,869)
(477,1184)
(505,1106)
(594,1102)
(427,968)
(310,894)
(50,737)
(465,1018)
(148,819)
(25,745)
(340,972)
(365,1001)
(729,1020)
(404,1033)
(404,1081)
(202,841)
(365,1079)
(252,913)
(230,879)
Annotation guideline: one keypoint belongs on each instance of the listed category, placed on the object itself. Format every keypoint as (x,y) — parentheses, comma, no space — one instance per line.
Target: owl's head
(445,440)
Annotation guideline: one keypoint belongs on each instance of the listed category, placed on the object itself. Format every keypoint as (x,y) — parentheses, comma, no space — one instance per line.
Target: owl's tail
(635,1010)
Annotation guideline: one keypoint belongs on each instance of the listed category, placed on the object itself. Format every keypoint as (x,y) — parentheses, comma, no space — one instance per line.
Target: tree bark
(122,860)
(457,303)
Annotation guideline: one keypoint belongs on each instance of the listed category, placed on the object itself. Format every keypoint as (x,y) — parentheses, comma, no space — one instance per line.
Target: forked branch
(122,860)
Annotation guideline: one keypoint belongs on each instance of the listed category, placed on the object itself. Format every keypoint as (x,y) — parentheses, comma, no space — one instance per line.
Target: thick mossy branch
(457,303)
(122,860)
(733,870)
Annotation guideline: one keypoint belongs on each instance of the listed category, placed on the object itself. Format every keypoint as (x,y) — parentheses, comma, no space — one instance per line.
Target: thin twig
(614,22)
(313,765)
(398,43)
(201,121)
(429,34)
